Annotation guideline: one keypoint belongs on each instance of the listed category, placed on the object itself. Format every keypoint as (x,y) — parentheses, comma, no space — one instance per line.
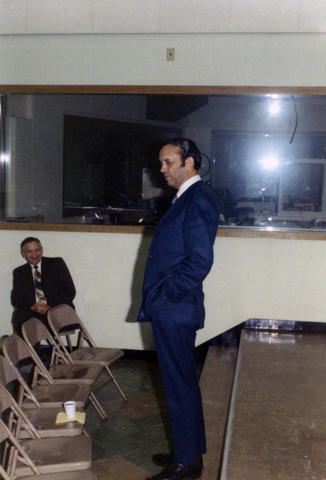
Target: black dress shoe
(163,459)
(178,471)
(167,459)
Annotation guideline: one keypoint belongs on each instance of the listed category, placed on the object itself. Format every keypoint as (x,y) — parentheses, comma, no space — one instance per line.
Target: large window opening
(93,158)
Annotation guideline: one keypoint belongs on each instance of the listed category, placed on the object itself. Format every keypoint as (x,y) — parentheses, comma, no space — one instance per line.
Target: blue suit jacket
(181,254)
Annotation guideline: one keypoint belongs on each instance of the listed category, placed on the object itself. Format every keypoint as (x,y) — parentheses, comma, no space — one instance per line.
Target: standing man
(39,284)
(180,257)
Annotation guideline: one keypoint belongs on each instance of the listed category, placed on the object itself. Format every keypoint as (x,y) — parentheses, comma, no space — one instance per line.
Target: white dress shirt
(187,184)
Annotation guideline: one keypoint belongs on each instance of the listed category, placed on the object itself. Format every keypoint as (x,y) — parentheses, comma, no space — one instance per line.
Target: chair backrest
(17,417)
(4,474)
(7,373)
(2,339)
(5,466)
(6,399)
(63,316)
(15,350)
(64,321)
(15,452)
(34,332)
(11,455)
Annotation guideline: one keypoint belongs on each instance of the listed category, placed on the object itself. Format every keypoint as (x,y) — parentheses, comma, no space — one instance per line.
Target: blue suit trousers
(174,330)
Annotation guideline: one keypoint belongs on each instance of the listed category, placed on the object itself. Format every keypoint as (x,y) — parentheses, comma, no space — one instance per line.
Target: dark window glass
(94,158)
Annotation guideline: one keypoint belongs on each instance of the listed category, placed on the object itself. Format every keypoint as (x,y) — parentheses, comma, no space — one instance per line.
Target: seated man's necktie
(38,285)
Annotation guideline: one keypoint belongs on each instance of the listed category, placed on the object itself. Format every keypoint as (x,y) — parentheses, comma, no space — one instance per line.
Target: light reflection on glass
(274,108)
(269,163)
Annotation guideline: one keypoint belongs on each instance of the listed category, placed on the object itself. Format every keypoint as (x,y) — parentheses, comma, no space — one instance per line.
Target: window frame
(227,231)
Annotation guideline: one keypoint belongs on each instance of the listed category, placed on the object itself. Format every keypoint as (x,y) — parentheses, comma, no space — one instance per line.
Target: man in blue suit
(180,257)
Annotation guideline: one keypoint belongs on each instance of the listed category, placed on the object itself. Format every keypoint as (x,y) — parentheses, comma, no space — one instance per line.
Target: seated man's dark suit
(57,286)
(180,257)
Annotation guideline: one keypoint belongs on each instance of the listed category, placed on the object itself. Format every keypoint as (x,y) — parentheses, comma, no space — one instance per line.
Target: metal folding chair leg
(98,407)
(115,381)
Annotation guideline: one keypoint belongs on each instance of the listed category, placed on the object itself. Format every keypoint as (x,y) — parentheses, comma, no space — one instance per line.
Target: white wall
(251,278)
(217,42)
(243,42)
(203,59)
(160,16)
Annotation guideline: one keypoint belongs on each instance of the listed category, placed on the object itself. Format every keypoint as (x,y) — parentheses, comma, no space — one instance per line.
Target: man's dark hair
(187,149)
(28,240)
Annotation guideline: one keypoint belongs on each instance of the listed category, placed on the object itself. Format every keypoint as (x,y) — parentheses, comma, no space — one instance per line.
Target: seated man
(38,285)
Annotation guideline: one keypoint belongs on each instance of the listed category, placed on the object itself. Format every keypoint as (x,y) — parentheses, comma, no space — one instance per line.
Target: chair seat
(67,374)
(61,454)
(50,396)
(44,419)
(98,355)
(79,475)
(77,345)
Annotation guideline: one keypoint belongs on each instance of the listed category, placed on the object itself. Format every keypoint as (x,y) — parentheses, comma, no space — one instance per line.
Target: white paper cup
(70,409)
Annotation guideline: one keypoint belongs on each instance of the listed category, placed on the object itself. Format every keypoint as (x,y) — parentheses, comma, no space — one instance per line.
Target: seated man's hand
(40,308)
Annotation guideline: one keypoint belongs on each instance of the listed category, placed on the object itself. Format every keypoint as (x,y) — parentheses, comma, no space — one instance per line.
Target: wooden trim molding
(249,232)
(160,89)
(74,227)
(271,233)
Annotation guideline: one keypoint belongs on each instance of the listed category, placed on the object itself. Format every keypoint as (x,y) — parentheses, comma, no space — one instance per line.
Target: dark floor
(124,444)
(135,429)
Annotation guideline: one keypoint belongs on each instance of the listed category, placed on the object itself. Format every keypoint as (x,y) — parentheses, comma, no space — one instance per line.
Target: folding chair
(42,419)
(35,332)
(21,458)
(80,475)
(64,322)
(44,396)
